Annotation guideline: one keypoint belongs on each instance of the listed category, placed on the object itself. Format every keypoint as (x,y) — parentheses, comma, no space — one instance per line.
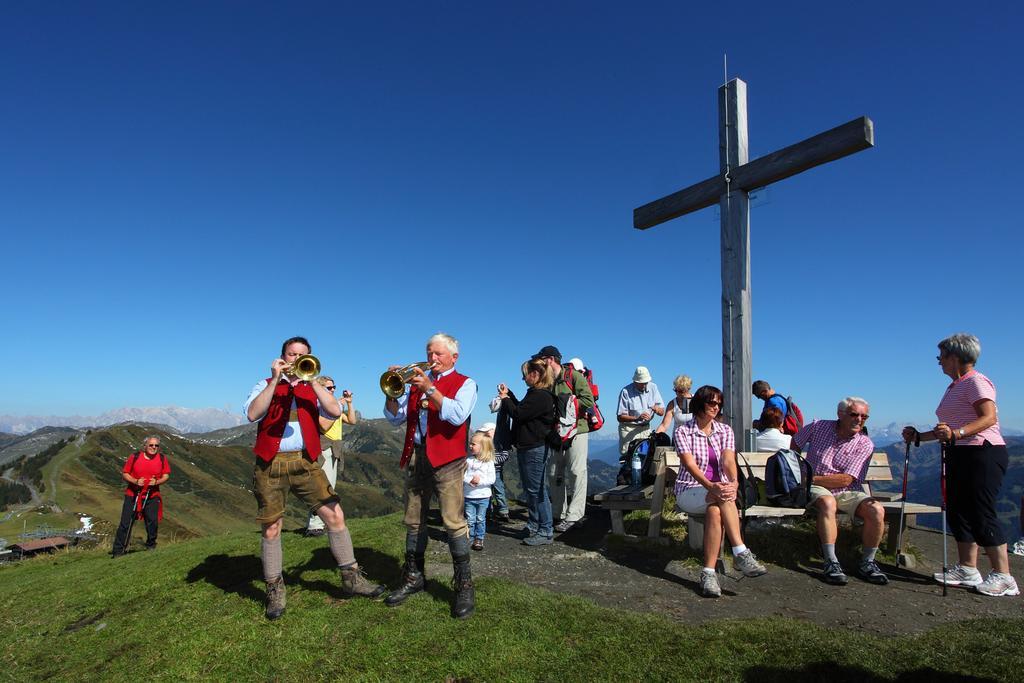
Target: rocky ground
(640,577)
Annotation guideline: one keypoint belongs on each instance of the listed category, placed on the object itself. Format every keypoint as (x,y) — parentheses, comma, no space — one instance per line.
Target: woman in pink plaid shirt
(706,486)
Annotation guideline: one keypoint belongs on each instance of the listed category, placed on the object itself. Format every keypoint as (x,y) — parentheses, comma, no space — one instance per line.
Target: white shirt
(771,440)
(453,410)
(487,474)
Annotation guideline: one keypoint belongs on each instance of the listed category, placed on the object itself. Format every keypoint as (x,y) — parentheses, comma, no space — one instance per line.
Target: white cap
(641,376)
(487,427)
(577,363)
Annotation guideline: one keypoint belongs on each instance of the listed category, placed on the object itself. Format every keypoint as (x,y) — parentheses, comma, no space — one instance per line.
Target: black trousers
(974,475)
(149,515)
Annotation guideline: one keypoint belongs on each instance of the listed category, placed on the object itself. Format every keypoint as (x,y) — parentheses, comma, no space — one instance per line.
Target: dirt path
(581,563)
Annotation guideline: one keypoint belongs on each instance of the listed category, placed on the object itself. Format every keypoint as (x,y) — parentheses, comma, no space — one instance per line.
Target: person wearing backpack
(707,485)
(840,453)
(567,466)
(533,418)
(792,417)
(144,471)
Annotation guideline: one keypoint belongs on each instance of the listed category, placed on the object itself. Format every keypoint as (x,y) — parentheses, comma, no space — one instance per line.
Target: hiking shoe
(538,539)
(354,583)
(564,526)
(275,598)
(997,585)
(870,572)
(959,575)
(478,544)
(746,562)
(833,573)
(709,587)
(501,516)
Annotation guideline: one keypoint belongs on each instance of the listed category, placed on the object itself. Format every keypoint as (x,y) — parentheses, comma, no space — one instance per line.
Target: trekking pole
(946,445)
(136,513)
(131,523)
(901,559)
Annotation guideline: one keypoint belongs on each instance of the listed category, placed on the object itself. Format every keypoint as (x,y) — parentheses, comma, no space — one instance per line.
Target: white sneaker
(709,587)
(997,585)
(959,575)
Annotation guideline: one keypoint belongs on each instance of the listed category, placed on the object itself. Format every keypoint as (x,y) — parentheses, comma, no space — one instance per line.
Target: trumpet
(305,367)
(393,382)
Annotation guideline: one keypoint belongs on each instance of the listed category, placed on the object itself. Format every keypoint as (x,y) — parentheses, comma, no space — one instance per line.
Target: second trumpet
(393,382)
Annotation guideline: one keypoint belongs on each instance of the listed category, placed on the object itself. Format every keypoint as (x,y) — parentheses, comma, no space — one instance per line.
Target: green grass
(193,610)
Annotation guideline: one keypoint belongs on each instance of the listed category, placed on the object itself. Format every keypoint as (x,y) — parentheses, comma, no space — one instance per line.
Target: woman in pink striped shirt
(707,486)
(975,466)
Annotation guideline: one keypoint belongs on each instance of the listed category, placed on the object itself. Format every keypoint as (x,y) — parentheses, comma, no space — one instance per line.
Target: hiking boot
(833,573)
(412,581)
(462,584)
(275,598)
(870,572)
(354,583)
(478,544)
(959,575)
(997,585)
(564,526)
(538,539)
(709,587)
(746,562)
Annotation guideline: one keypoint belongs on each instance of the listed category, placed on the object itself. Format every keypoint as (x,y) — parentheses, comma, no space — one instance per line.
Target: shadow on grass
(835,673)
(231,574)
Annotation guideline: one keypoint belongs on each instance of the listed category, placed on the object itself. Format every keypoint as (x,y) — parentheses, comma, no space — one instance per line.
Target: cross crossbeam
(839,142)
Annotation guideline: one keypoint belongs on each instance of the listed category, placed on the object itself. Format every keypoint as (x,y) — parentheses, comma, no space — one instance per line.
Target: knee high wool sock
(270,552)
(341,547)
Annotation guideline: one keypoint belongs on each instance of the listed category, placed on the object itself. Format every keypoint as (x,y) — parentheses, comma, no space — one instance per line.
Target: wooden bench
(666,461)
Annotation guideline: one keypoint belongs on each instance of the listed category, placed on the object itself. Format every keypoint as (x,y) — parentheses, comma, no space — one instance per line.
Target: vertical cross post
(734,207)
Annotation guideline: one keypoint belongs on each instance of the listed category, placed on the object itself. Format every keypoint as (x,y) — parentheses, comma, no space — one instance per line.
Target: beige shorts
(846,501)
(289,472)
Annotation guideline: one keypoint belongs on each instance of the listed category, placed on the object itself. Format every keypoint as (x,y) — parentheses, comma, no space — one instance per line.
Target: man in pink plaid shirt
(840,454)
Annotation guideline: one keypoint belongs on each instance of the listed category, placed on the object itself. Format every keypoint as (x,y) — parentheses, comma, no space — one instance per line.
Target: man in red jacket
(287,446)
(435,413)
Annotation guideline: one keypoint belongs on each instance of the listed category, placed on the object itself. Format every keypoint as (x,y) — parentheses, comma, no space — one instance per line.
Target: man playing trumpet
(436,412)
(287,445)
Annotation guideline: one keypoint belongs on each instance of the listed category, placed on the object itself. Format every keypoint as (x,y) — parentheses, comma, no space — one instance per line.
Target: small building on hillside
(42,545)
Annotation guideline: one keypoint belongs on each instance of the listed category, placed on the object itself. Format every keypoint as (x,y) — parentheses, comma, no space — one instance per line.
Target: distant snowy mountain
(185,420)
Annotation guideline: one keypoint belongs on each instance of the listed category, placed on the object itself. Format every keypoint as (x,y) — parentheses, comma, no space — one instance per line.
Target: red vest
(271,428)
(445,442)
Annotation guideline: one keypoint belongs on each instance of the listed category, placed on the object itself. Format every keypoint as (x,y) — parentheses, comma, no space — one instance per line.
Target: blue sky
(184,185)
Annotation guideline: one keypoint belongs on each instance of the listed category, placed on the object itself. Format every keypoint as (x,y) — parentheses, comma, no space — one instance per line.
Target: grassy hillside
(209,491)
(193,610)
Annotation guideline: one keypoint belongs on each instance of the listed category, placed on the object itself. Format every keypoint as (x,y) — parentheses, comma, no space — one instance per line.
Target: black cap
(548,351)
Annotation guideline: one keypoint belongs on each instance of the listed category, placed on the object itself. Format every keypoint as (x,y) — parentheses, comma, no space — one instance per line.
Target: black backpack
(787,479)
(645,447)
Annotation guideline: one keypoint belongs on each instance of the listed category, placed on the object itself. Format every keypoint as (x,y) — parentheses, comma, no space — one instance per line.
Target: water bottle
(635,465)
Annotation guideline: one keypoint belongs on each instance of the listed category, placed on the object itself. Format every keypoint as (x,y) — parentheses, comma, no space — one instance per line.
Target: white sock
(829,551)
(709,570)
(869,555)
(738,549)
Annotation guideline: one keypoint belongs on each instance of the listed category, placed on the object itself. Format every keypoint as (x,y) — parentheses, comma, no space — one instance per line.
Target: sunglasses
(716,404)
(152,445)
(863,416)
(330,388)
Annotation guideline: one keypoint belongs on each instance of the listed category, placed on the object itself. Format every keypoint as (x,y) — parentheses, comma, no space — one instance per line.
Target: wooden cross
(730,189)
